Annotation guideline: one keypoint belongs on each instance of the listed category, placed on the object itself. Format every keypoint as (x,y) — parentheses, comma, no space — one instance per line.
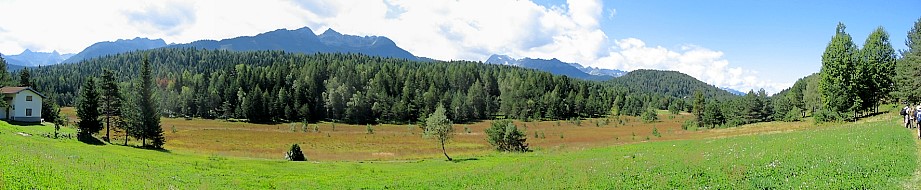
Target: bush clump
(505,136)
(295,154)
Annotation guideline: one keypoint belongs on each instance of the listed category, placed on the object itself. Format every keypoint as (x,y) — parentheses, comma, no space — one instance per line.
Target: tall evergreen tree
(4,76)
(699,107)
(908,68)
(88,110)
(25,79)
(111,100)
(837,84)
(148,109)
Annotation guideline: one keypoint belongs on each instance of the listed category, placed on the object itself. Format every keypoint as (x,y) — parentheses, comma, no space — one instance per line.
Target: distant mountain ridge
(303,40)
(100,49)
(558,67)
(29,58)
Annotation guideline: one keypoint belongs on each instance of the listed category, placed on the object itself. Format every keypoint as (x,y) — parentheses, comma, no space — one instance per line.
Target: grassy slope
(876,154)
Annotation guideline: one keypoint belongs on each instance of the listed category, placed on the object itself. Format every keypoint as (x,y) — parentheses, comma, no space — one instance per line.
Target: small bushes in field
(823,115)
(793,115)
(295,154)
(655,132)
(505,136)
(369,129)
(650,116)
(689,125)
(576,121)
(466,129)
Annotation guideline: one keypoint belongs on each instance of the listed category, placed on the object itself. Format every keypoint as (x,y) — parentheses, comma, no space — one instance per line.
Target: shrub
(793,115)
(369,129)
(823,115)
(689,124)
(505,136)
(650,116)
(466,129)
(655,132)
(295,154)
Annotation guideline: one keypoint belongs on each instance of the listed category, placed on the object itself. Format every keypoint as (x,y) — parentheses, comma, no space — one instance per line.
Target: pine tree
(837,84)
(908,68)
(699,107)
(148,109)
(4,76)
(111,100)
(25,79)
(88,110)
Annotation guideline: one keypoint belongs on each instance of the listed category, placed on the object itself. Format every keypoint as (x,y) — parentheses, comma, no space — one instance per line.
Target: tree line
(274,86)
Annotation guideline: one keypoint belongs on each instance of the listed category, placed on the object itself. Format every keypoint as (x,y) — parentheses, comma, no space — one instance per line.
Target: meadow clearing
(872,153)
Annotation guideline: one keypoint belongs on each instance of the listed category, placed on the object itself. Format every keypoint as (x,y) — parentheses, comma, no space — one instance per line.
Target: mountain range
(29,58)
(558,67)
(100,49)
(302,40)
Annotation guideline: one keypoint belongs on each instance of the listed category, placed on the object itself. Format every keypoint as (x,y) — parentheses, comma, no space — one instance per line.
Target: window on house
(28,112)
(28,98)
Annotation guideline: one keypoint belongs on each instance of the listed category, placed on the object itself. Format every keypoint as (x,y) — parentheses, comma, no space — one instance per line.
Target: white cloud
(441,29)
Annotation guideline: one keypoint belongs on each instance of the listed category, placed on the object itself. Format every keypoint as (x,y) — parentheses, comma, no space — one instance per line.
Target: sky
(743,45)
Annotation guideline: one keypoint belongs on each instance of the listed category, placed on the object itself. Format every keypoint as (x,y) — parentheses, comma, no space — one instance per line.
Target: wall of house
(20,105)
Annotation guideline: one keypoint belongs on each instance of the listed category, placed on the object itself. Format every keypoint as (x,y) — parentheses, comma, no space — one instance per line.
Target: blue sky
(736,44)
(783,40)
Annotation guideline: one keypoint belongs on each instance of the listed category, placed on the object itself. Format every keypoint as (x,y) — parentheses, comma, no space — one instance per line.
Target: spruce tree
(88,110)
(25,79)
(111,102)
(148,109)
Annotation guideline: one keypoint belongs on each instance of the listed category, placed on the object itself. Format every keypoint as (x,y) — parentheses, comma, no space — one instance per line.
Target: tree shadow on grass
(91,141)
(148,147)
(464,160)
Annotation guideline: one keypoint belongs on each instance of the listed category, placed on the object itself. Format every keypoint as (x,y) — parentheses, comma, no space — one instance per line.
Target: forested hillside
(668,83)
(268,86)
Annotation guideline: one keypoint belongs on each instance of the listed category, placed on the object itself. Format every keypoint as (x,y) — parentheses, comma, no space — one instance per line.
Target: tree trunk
(108,125)
(445,151)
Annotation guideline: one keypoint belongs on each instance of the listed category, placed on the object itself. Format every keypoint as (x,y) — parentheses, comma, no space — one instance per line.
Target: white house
(25,104)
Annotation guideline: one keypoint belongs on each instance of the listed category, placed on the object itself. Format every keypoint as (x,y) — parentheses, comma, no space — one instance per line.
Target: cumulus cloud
(170,18)
(702,63)
(440,29)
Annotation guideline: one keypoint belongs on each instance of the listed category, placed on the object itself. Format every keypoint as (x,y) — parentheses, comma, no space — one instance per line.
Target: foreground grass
(875,154)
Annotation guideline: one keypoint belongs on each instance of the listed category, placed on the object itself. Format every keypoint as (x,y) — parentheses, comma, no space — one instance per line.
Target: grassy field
(873,153)
(341,142)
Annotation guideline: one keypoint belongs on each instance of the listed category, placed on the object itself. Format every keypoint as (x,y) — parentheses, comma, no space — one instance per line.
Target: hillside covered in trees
(268,86)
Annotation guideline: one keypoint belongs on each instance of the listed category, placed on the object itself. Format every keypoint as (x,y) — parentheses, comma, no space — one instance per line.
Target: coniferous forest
(274,86)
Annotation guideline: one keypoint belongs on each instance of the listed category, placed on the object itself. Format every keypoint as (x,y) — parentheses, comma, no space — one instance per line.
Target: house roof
(14,90)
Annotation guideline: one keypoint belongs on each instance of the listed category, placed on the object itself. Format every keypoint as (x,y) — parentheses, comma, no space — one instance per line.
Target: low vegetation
(876,153)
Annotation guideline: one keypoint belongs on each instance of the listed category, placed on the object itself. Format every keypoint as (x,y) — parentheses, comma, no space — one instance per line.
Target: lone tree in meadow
(295,154)
(439,127)
(88,110)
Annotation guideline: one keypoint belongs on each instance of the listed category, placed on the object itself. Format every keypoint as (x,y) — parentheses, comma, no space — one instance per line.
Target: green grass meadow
(867,155)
